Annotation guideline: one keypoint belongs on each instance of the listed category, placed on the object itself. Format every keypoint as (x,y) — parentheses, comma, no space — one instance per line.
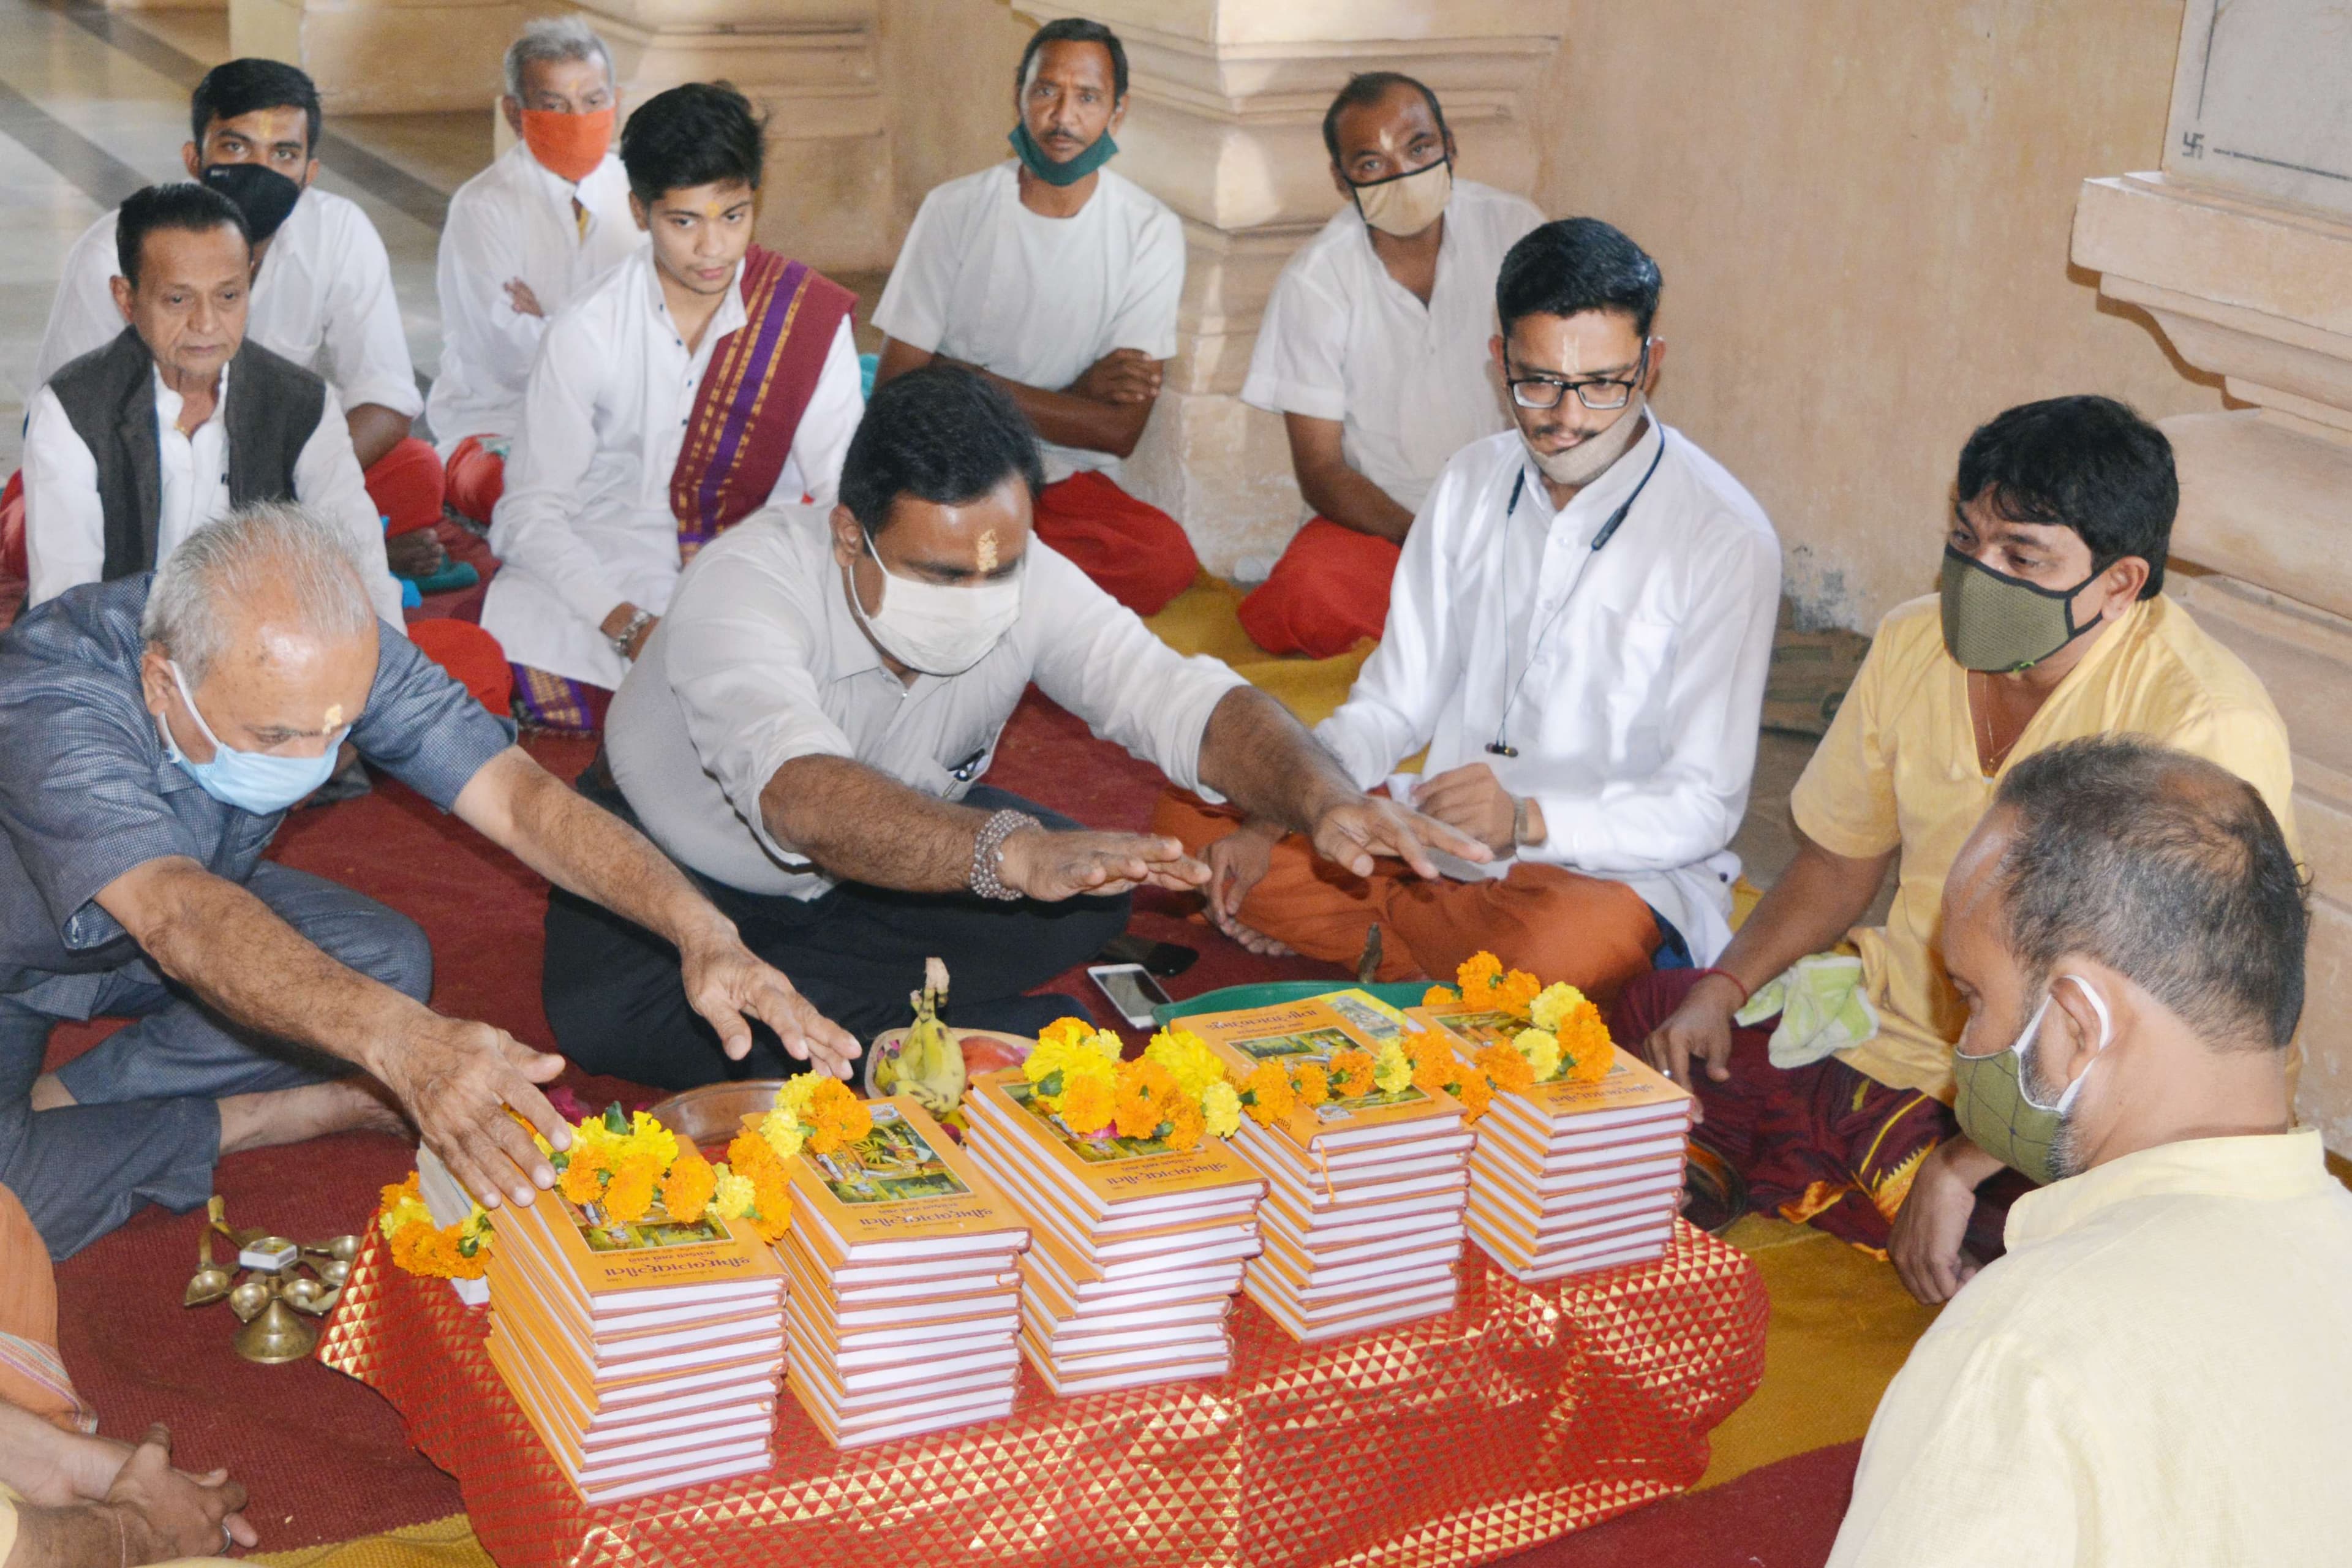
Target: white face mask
(1405,204)
(1590,459)
(935,629)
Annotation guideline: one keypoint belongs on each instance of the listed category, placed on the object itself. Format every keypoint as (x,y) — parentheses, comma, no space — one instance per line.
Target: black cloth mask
(264,196)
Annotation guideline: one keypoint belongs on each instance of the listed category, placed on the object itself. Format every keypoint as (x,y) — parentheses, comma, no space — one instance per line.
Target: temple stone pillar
(1224,124)
(2240,249)
(385,56)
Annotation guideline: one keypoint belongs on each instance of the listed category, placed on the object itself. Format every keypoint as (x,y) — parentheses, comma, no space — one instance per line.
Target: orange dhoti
(1328,592)
(407,485)
(1552,922)
(31,1376)
(1134,551)
(478,478)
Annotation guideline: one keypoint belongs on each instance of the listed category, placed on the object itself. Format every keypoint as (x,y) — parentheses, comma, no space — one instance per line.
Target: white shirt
(65,524)
(1411,383)
(323,299)
(1037,299)
(585,523)
(1637,717)
(760,661)
(2158,1374)
(513,220)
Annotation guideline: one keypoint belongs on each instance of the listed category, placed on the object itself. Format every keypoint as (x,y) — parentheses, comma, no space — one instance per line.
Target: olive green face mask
(2000,623)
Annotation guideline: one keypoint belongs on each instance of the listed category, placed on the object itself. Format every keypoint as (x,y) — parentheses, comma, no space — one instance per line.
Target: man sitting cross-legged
(1373,349)
(133,447)
(69,1498)
(524,237)
(321,287)
(806,730)
(697,382)
(1579,634)
(1831,1096)
(156,729)
(1058,279)
(2158,1372)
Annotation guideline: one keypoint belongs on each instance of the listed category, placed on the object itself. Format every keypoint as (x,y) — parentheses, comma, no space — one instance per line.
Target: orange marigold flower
(836,1118)
(1434,1063)
(583,1178)
(1478,974)
(1310,1084)
(1351,1074)
(1517,992)
(408,1248)
(629,1195)
(686,1191)
(1185,1126)
(390,1196)
(1266,1094)
(1087,1105)
(1439,995)
(1146,1093)
(1507,1070)
(1476,1094)
(773,1197)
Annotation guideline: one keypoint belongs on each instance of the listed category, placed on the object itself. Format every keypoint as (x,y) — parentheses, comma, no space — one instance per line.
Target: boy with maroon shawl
(700,380)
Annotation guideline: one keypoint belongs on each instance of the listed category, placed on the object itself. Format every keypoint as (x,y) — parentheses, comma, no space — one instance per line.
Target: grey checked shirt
(87,793)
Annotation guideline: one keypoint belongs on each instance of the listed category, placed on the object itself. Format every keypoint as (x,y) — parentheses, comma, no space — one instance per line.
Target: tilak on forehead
(988,549)
(332,717)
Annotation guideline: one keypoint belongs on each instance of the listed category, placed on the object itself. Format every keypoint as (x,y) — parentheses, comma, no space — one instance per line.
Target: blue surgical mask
(249,781)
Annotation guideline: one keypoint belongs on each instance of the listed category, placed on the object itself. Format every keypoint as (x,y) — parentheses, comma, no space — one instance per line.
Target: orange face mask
(568,145)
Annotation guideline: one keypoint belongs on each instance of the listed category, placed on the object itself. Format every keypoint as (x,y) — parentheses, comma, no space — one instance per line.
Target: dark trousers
(617,1006)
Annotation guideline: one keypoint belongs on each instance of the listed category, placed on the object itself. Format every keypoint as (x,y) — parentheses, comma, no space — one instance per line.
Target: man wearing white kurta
(524,238)
(1580,627)
(1058,279)
(2157,1373)
(1373,349)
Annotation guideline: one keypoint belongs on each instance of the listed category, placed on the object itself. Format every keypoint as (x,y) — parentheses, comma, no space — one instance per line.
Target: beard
(2066,1144)
(1590,459)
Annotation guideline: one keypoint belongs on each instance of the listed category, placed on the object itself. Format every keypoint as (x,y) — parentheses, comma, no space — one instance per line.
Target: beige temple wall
(1861,210)
(947,73)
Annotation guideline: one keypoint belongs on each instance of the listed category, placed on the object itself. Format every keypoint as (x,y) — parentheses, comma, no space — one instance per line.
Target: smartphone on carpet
(1132,990)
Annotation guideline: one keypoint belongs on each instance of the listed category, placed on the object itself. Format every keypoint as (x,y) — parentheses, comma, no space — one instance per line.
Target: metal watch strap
(988,852)
(622,638)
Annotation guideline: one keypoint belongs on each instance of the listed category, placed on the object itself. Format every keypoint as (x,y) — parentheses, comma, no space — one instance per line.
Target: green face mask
(1033,157)
(2000,623)
(2000,1115)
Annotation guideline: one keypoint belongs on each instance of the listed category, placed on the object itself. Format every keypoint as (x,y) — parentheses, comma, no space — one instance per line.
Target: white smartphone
(1132,990)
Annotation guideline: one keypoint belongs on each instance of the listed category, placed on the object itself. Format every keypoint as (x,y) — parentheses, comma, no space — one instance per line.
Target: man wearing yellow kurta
(2158,1372)
(1831,1092)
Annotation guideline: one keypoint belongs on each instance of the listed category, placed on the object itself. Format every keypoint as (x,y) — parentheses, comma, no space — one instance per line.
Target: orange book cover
(1106,1171)
(903,1190)
(656,1252)
(1314,1029)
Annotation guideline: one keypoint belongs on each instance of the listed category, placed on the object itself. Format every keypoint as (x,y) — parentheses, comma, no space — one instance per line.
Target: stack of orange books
(1363,1213)
(1576,1177)
(1138,1249)
(906,1294)
(644,1355)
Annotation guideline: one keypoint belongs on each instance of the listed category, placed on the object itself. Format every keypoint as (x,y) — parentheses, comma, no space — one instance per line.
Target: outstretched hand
(1050,865)
(458,1080)
(728,983)
(1237,863)
(1354,832)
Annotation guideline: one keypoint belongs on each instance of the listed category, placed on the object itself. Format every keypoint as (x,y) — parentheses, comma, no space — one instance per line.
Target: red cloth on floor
(476,479)
(1820,1144)
(1137,554)
(1328,592)
(471,656)
(14,562)
(407,486)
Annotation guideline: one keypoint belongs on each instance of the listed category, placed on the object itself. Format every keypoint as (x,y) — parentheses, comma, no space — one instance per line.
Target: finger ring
(228,1539)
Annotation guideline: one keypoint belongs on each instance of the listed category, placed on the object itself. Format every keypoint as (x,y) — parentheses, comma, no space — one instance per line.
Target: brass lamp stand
(282,1279)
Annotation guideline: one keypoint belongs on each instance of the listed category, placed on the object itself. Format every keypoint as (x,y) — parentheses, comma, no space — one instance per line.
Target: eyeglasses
(1600,397)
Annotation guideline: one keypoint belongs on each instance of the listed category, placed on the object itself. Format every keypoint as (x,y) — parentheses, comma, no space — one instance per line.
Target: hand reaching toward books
(458,1081)
(1052,866)
(728,983)
(1353,832)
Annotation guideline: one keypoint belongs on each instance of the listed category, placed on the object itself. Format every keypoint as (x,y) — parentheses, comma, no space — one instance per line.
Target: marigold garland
(1176,1093)
(459,1251)
(1565,1040)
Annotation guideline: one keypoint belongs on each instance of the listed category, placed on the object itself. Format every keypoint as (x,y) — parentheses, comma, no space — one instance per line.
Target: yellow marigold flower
(1066,1034)
(1351,1074)
(1478,974)
(1311,1083)
(687,1191)
(1540,1049)
(1393,1069)
(629,1195)
(1439,995)
(1187,1057)
(782,1133)
(731,1199)
(1088,1062)
(648,1139)
(1185,1126)
(584,1179)
(794,1098)
(1086,1106)
(1506,1069)
(1220,1108)
(1266,1094)
(1554,1005)
(1476,1094)
(1517,992)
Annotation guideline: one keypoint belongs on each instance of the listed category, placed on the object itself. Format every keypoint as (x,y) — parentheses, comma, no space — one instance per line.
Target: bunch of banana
(929,1063)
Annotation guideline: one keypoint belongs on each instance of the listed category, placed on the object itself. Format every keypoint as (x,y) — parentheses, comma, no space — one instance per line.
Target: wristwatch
(1520,821)
(988,853)
(628,634)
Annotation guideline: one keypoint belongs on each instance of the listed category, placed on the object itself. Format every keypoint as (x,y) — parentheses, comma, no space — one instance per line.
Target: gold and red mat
(1523,1413)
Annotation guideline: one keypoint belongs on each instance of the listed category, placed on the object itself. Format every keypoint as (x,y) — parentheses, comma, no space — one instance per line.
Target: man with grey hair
(157,729)
(523,237)
(2158,1371)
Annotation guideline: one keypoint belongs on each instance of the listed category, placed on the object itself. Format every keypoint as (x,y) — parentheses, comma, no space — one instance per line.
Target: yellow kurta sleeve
(1845,800)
